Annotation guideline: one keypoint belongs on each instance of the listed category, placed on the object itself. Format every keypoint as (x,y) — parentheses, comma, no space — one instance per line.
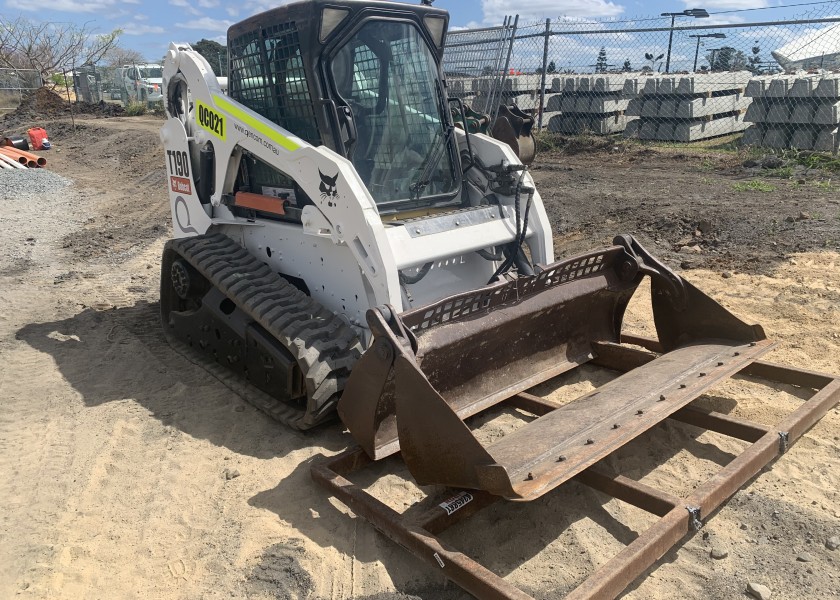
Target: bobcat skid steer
(340,246)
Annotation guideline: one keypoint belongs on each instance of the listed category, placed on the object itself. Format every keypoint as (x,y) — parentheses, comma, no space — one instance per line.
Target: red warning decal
(180,185)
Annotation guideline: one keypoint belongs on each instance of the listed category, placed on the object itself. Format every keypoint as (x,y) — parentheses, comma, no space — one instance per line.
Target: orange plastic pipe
(21,159)
(39,160)
(6,152)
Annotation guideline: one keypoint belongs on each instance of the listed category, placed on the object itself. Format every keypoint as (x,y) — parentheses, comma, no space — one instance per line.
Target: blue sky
(149,25)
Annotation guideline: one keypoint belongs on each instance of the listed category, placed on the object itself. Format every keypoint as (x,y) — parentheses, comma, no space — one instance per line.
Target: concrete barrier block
(668,107)
(827,114)
(605,125)
(547,116)
(568,103)
(667,85)
(803,139)
(802,112)
(827,140)
(776,137)
(713,82)
(778,113)
(828,87)
(651,107)
(454,85)
(634,107)
(651,86)
(635,86)
(554,102)
(610,83)
(632,129)
(691,131)
(703,107)
(647,130)
(803,87)
(753,136)
(582,103)
(665,131)
(757,111)
(608,104)
(523,83)
(779,86)
(757,86)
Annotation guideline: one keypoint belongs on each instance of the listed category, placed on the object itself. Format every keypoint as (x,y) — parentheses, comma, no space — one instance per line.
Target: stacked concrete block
(588,104)
(794,111)
(687,108)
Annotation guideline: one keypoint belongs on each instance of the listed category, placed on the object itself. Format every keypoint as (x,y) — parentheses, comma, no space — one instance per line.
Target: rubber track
(324,346)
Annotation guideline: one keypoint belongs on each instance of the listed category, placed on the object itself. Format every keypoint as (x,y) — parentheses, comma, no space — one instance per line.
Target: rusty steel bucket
(429,369)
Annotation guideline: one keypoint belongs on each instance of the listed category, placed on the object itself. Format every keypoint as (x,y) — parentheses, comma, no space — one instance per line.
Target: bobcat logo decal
(328,188)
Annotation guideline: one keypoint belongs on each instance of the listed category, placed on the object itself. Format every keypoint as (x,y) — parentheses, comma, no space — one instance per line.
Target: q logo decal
(179,202)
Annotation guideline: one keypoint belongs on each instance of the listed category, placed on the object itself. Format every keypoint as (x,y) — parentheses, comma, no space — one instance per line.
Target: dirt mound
(45,103)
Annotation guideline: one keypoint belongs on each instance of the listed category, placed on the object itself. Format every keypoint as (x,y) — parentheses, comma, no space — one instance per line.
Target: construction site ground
(128,472)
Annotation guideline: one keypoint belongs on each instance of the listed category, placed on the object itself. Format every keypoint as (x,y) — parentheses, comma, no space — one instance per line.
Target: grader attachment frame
(418,528)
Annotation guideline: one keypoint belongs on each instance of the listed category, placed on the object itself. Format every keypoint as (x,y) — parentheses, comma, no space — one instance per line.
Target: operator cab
(362,78)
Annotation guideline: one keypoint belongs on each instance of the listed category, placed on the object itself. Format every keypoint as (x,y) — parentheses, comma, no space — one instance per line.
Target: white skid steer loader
(340,244)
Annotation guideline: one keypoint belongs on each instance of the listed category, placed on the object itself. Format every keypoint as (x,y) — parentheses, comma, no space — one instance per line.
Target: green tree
(727,59)
(754,62)
(627,67)
(601,61)
(216,55)
(552,68)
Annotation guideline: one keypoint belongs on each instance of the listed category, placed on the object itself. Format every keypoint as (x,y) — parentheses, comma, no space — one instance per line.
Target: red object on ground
(37,137)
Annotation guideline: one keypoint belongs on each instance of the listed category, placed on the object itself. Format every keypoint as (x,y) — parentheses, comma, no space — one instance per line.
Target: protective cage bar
(416,530)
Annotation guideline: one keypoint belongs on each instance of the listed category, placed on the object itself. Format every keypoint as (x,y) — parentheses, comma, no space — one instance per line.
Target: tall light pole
(704,35)
(697,13)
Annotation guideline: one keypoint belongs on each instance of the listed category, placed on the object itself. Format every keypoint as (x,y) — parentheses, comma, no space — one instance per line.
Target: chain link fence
(15,84)
(93,84)
(120,85)
(683,77)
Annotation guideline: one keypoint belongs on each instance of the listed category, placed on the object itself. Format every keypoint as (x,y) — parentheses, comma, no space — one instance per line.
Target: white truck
(142,83)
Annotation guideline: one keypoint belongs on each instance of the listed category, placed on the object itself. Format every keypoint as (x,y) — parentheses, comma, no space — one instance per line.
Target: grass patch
(813,160)
(575,144)
(135,109)
(782,172)
(754,186)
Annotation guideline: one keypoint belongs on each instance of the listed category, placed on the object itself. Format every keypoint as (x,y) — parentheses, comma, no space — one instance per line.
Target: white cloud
(496,10)
(72,6)
(713,5)
(139,17)
(208,3)
(186,6)
(141,29)
(207,24)
(232,11)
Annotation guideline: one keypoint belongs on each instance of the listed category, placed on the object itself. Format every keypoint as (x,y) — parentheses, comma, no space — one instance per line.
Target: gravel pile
(30,184)
(36,207)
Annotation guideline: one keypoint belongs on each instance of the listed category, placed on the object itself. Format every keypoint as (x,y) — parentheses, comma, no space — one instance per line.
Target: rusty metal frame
(416,530)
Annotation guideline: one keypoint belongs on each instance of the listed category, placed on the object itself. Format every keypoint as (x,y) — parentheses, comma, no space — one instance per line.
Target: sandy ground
(118,458)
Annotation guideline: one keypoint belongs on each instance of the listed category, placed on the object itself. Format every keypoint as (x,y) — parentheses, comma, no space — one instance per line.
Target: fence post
(542,75)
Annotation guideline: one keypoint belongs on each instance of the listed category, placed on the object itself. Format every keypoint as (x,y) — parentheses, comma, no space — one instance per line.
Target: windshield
(388,77)
(151,73)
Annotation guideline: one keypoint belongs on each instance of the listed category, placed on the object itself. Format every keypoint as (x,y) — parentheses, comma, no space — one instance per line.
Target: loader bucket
(514,127)
(431,368)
